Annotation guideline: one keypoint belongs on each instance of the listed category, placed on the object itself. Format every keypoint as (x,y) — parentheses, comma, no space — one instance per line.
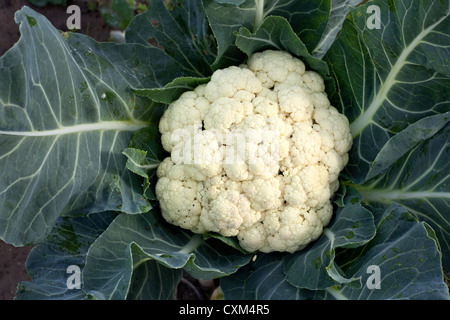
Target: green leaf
(66,116)
(172,90)
(407,257)
(231,241)
(419,181)
(338,13)
(307,19)
(233,2)
(144,155)
(153,281)
(224,21)
(403,252)
(140,66)
(66,245)
(264,279)
(406,140)
(133,239)
(391,77)
(138,162)
(393,86)
(180,29)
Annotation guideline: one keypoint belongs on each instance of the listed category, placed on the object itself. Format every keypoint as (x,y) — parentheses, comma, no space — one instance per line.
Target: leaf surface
(133,239)
(66,115)
(400,262)
(179,29)
(392,84)
(66,246)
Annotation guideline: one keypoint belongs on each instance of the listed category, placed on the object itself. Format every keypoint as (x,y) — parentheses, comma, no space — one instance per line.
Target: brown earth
(12,269)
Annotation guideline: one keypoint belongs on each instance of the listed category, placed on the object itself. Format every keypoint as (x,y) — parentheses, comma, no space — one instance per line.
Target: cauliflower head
(254,153)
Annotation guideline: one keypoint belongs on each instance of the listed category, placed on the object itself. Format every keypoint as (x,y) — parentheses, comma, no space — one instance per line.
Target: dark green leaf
(339,11)
(391,77)
(179,29)
(49,262)
(264,279)
(401,262)
(153,281)
(172,90)
(405,257)
(419,181)
(66,116)
(308,19)
(133,239)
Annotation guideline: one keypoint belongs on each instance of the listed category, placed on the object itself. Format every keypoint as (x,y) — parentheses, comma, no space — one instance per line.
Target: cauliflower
(255,153)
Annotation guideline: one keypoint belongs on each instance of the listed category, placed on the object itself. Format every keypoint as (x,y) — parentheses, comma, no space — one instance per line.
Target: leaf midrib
(98,126)
(364,119)
(391,195)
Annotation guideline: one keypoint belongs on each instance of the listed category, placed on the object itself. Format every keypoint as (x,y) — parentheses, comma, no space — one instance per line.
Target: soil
(12,269)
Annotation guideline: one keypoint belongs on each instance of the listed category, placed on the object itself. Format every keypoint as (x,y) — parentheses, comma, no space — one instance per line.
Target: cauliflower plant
(255,153)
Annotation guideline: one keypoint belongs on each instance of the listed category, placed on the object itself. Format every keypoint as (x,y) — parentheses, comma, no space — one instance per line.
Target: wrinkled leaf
(153,281)
(180,29)
(339,11)
(66,115)
(49,262)
(400,262)
(307,18)
(133,239)
(419,181)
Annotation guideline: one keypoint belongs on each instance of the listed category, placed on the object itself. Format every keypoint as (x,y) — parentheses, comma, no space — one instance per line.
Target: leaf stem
(193,244)
(337,294)
(259,13)
(96,126)
(391,195)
